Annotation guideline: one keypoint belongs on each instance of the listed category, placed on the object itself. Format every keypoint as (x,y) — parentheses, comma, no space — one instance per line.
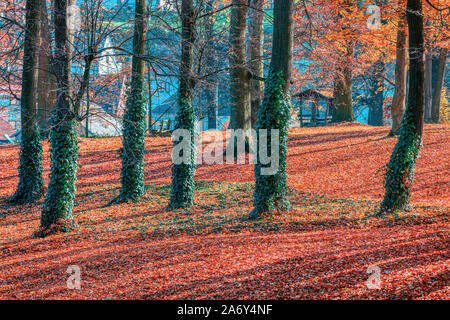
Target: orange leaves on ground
(321,249)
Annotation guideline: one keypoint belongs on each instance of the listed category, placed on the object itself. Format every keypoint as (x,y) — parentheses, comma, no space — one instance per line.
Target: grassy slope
(319,250)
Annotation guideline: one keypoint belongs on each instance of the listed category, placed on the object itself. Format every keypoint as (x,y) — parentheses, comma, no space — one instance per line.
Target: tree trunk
(57,212)
(400,169)
(149,84)
(210,65)
(240,77)
(150,98)
(398,101)
(88,107)
(31,184)
(212,104)
(376,116)
(428,84)
(182,193)
(343,101)
(271,188)
(132,176)
(255,56)
(46,79)
(435,107)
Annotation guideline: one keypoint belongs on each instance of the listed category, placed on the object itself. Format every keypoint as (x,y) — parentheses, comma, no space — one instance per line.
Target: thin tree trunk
(255,56)
(30,185)
(88,106)
(240,77)
(398,101)
(132,176)
(271,187)
(435,107)
(57,212)
(149,86)
(150,96)
(210,64)
(182,193)
(400,169)
(376,115)
(200,110)
(428,84)
(211,101)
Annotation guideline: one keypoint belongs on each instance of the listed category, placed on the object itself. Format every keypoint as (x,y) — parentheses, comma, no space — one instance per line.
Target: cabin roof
(321,94)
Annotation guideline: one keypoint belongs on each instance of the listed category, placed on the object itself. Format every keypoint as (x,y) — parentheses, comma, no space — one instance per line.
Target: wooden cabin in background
(314,107)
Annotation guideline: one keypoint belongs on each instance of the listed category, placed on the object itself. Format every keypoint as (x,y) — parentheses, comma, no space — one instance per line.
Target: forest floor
(322,249)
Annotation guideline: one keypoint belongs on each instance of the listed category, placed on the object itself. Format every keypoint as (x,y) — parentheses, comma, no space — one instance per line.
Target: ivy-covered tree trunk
(400,169)
(271,190)
(240,117)
(182,194)
(132,176)
(57,212)
(255,56)
(398,101)
(30,187)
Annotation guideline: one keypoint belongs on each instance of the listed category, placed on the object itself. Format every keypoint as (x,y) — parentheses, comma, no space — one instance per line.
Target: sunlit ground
(320,250)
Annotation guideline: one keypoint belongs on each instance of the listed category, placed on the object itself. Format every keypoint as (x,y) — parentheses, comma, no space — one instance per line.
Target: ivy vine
(57,212)
(132,152)
(271,190)
(182,193)
(31,183)
(399,172)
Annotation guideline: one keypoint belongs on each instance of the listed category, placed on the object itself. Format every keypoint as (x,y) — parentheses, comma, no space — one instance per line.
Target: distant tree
(255,55)
(398,101)
(400,169)
(182,194)
(240,117)
(271,190)
(149,81)
(57,212)
(428,73)
(31,184)
(436,102)
(210,63)
(342,90)
(134,126)
(343,102)
(376,114)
